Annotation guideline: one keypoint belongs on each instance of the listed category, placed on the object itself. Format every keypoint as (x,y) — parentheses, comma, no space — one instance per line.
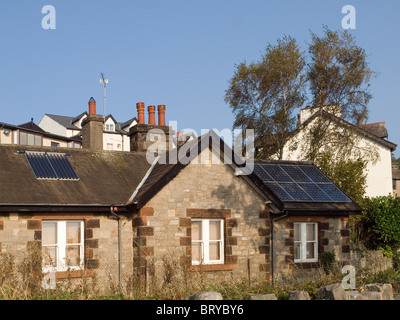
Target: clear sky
(178,53)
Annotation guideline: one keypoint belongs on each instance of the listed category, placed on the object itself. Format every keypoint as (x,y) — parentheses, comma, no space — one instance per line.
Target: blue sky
(178,53)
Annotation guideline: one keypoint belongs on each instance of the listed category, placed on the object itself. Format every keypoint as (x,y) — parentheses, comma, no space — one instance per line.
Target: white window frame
(61,245)
(205,242)
(303,241)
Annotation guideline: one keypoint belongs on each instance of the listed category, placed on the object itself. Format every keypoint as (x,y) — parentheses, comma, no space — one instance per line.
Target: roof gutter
(51,207)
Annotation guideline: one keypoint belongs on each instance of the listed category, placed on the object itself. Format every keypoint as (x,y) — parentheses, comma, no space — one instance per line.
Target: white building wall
(379,173)
(49,125)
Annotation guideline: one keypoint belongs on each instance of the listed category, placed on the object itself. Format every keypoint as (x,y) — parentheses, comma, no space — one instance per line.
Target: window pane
(310,232)
(38,140)
(72,257)
(31,141)
(49,233)
(196,251)
(50,256)
(297,232)
(297,250)
(73,232)
(215,253)
(310,254)
(196,230)
(215,230)
(22,138)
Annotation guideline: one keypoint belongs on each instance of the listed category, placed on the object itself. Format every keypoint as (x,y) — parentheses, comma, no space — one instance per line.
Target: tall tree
(339,74)
(264,95)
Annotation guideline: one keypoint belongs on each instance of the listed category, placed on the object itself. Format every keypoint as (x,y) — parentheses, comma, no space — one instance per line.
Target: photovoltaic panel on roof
(298,183)
(51,166)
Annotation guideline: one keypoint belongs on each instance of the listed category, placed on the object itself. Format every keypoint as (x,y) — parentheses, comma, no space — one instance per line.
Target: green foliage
(339,74)
(349,175)
(381,219)
(264,95)
(328,262)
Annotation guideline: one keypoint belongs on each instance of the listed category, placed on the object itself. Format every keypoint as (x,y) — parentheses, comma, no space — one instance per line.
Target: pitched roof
(159,175)
(105,178)
(65,121)
(31,126)
(366,133)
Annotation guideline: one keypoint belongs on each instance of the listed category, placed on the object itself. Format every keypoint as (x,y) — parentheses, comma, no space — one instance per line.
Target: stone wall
(333,236)
(163,227)
(18,233)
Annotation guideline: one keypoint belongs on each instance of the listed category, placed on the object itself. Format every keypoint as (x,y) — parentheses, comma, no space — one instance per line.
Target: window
(305,242)
(109,127)
(55,144)
(394,184)
(30,139)
(62,245)
(207,241)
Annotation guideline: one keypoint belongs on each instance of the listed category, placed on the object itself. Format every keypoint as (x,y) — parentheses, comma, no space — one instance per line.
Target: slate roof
(105,178)
(67,122)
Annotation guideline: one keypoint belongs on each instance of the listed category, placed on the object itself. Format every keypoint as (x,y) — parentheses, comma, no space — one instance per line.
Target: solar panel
(299,183)
(51,166)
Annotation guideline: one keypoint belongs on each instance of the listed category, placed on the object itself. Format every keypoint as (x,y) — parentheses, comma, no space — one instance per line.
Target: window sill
(308,265)
(212,267)
(71,274)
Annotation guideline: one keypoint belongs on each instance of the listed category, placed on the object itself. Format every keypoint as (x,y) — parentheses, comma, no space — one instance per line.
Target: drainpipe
(113,210)
(285,214)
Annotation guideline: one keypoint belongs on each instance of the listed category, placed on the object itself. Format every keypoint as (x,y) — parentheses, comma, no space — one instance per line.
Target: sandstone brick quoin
(345,233)
(139,222)
(92,243)
(345,249)
(146,212)
(289,242)
(185,241)
(324,226)
(92,264)
(232,241)
(185,222)
(324,241)
(88,233)
(146,251)
(289,225)
(93,223)
(88,253)
(1,225)
(231,223)
(208,213)
(264,214)
(231,259)
(264,232)
(139,242)
(264,249)
(139,261)
(145,231)
(34,224)
(37,235)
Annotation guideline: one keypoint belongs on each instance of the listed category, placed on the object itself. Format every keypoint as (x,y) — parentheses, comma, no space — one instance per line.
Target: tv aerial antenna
(104,82)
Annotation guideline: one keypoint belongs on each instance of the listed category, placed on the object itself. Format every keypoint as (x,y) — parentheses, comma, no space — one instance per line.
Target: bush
(381,219)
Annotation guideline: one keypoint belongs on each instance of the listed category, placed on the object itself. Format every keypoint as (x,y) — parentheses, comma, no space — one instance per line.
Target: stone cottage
(116,215)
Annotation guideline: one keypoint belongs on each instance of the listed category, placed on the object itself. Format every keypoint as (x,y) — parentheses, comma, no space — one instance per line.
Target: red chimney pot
(140,110)
(92,106)
(161,115)
(152,117)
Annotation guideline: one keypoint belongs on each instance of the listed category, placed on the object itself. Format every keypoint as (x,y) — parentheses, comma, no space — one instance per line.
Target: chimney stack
(140,110)
(92,128)
(152,115)
(138,134)
(161,115)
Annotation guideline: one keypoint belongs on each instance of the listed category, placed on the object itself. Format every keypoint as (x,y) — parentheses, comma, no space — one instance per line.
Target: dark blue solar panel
(332,191)
(296,191)
(259,171)
(299,182)
(314,173)
(315,192)
(278,191)
(295,173)
(277,173)
(51,166)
